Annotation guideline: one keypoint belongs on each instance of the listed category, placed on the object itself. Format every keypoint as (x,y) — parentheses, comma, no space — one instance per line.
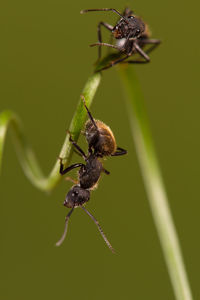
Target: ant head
(100,138)
(76,196)
(137,26)
(133,28)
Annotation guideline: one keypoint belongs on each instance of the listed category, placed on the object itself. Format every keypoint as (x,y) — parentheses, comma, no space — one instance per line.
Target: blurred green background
(44,63)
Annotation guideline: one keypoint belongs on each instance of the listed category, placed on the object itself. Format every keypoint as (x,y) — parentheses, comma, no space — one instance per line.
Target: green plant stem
(25,154)
(154,185)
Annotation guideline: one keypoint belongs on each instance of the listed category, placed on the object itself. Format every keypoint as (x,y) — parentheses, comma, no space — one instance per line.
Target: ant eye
(75,193)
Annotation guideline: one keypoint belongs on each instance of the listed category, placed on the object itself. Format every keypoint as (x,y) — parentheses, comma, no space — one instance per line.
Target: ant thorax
(90,173)
(100,138)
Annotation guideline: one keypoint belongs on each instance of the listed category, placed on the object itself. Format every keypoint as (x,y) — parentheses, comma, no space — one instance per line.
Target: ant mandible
(101,143)
(132,35)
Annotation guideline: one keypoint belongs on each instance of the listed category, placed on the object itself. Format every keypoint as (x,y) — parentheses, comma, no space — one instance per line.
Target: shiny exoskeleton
(132,35)
(101,142)
(100,137)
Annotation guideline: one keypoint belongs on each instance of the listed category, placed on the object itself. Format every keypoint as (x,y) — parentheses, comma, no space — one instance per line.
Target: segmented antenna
(89,113)
(100,229)
(104,9)
(65,230)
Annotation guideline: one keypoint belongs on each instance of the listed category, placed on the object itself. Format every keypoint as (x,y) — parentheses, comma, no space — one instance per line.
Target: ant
(101,143)
(132,36)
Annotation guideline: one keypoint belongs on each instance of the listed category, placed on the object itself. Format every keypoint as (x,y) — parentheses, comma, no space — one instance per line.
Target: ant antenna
(104,9)
(89,113)
(65,230)
(100,229)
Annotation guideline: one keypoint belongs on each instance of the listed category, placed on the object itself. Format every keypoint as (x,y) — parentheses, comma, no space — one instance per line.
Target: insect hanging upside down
(101,143)
(132,35)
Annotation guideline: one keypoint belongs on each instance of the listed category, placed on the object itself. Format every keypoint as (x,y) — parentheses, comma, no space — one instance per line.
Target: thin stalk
(154,185)
(25,154)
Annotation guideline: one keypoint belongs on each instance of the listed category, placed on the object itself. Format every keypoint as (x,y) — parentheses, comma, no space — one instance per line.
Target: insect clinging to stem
(132,35)
(101,143)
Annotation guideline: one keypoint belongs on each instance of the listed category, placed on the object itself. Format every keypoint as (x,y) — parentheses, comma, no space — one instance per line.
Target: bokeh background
(44,63)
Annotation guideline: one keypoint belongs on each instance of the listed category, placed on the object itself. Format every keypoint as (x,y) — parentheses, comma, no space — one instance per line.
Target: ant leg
(103,9)
(106,171)
(76,145)
(93,122)
(155,43)
(89,113)
(107,26)
(114,63)
(120,151)
(152,42)
(65,230)
(142,53)
(64,171)
(99,228)
(104,44)
(71,180)
(136,62)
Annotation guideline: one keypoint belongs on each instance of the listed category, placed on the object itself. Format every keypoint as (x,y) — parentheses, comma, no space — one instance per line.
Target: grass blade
(154,185)
(25,154)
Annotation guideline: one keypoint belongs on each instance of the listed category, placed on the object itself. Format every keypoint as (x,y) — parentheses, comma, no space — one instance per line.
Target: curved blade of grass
(154,185)
(25,154)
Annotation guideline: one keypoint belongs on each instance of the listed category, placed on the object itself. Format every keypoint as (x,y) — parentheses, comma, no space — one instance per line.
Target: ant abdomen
(100,138)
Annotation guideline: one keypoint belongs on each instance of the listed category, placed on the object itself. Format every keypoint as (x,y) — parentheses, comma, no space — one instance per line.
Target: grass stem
(153,182)
(25,153)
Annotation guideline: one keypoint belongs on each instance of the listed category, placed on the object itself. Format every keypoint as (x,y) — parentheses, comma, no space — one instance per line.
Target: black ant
(101,143)
(132,35)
